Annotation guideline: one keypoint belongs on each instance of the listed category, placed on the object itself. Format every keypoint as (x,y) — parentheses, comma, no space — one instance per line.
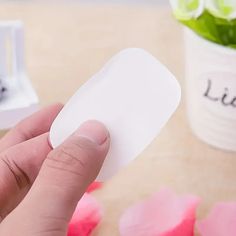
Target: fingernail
(93,130)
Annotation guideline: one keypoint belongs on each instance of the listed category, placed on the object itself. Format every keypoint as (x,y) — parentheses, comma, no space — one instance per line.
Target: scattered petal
(221,221)
(163,214)
(86,217)
(94,186)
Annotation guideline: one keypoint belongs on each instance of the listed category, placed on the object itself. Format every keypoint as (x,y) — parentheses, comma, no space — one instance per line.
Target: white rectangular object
(18,98)
(134,95)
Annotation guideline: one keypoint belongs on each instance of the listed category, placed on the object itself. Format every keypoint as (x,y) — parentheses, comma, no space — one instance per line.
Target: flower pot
(211,91)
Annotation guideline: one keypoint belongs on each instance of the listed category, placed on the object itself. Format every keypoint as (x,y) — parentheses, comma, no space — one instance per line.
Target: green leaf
(215,29)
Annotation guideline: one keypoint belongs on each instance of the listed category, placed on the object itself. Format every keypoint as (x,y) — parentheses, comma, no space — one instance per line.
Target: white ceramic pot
(211,91)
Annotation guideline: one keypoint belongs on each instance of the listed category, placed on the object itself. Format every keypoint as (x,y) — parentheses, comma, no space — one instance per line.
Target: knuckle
(66,155)
(52,224)
(15,171)
(66,158)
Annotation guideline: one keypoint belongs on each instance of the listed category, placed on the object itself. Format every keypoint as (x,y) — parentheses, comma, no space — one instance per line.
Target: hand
(40,187)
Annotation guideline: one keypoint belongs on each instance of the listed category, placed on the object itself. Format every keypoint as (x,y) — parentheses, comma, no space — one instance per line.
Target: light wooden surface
(66,44)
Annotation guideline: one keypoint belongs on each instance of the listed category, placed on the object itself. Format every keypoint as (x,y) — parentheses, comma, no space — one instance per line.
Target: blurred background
(97,1)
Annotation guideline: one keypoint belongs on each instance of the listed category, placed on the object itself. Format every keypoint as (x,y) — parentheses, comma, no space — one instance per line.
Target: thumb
(64,177)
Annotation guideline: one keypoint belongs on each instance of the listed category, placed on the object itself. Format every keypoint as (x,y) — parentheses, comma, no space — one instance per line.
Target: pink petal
(86,217)
(163,214)
(94,186)
(221,221)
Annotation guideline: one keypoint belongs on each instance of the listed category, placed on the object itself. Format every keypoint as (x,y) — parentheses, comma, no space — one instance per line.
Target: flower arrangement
(214,20)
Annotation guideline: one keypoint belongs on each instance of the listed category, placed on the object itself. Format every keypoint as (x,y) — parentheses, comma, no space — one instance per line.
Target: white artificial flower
(225,9)
(188,9)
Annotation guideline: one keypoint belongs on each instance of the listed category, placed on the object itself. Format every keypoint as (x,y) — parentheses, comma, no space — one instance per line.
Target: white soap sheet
(134,95)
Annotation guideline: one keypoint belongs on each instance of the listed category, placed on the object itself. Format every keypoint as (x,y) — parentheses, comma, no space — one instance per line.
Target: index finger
(33,126)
